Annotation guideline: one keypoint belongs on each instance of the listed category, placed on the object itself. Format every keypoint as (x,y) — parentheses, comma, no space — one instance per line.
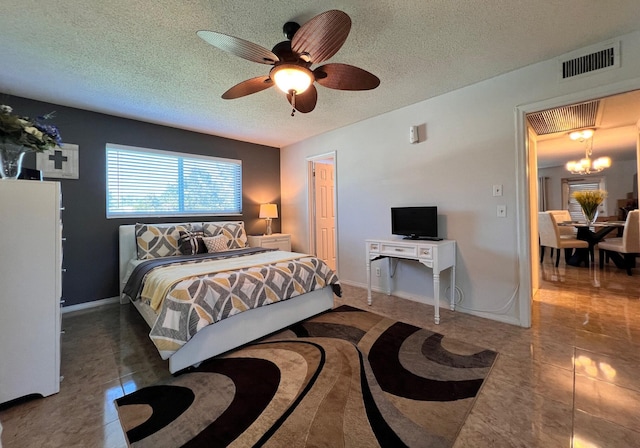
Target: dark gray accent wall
(91,246)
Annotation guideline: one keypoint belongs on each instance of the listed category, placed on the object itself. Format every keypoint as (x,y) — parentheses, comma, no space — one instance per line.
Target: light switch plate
(413,135)
(497,190)
(502,211)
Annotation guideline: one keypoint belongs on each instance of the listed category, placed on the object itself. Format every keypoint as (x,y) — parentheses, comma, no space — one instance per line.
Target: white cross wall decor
(60,162)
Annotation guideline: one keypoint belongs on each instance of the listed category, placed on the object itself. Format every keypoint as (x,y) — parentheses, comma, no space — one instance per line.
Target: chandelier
(586,165)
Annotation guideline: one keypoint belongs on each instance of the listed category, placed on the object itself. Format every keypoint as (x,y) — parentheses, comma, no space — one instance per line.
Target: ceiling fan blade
(345,77)
(239,47)
(248,87)
(322,36)
(305,102)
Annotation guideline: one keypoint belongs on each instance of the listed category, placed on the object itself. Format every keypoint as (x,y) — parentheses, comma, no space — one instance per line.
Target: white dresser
(30,288)
(280,241)
(435,255)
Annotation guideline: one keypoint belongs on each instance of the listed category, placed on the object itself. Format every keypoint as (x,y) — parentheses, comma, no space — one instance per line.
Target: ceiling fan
(314,42)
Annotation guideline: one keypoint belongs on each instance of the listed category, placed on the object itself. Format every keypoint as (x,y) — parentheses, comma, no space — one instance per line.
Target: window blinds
(147,182)
(574,208)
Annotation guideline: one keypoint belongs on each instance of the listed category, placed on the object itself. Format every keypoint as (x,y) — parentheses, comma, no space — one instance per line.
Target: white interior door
(325,220)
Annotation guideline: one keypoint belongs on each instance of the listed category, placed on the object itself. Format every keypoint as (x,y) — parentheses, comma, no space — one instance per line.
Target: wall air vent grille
(601,59)
(563,119)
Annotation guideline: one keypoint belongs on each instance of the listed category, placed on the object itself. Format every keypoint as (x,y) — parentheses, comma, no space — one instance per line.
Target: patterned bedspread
(194,302)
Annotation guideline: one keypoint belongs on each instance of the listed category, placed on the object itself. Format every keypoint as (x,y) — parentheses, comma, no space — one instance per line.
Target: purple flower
(34,134)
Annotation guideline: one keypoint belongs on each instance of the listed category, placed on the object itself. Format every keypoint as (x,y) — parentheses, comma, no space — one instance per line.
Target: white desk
(436,255)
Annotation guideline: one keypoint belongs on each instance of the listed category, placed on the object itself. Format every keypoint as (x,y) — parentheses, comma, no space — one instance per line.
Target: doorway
(322,213)
(527,173)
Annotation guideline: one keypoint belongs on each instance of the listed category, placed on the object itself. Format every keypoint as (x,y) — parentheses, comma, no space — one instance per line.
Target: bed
(140,250)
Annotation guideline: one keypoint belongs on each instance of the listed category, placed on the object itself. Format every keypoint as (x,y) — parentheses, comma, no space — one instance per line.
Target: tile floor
(572,380)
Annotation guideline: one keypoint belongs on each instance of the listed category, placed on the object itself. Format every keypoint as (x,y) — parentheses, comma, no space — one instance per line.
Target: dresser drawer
(280,241)
(277,243)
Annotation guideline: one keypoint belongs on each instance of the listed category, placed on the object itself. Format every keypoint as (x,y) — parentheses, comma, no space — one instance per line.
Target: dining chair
(550,237)
(563,216)
(628,245)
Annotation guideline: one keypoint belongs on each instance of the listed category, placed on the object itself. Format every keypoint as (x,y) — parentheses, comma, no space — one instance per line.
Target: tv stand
(436,255)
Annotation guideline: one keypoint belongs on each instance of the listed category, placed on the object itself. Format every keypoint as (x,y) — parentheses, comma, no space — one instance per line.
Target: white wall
(619,180)
(470,145)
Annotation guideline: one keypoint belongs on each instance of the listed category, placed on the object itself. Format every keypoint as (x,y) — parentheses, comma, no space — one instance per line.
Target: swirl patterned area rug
(344,378)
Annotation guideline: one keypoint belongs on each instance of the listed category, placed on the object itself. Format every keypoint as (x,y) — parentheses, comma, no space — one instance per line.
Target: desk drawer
(398,250)
(373,247)
(425,253)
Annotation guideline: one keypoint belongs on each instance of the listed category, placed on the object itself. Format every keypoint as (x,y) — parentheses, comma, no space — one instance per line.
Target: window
(571,185)
(146,182)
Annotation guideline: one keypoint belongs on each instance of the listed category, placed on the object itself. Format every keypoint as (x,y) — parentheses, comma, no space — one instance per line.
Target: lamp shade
(268,211)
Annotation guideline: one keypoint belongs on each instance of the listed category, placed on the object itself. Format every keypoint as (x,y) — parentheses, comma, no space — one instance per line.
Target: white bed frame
(232,332)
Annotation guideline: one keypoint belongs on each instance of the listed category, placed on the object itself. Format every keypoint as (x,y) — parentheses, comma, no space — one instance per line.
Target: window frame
(181,158)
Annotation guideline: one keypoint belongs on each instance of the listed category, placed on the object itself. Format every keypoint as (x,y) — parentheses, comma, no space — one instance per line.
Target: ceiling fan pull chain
(293,102)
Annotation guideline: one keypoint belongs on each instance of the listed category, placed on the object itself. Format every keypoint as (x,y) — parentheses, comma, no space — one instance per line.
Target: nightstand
(280,241)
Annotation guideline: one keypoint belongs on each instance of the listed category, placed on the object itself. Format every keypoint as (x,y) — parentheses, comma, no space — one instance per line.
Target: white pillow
(216,243)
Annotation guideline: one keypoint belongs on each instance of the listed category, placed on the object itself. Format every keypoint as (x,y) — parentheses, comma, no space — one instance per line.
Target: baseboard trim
(397,293)
(351,283)
(88,305)
(444,303)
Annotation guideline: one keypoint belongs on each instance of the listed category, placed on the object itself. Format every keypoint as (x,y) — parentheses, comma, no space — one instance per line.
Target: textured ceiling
(142,59)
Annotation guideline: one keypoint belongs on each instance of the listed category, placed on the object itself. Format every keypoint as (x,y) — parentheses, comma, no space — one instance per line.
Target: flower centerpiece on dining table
(589,201)
(19,135)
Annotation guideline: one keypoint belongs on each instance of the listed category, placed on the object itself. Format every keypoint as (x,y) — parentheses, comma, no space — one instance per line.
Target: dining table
(592,233)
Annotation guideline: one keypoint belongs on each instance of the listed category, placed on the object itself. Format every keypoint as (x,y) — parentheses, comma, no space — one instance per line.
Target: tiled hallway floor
(572,380)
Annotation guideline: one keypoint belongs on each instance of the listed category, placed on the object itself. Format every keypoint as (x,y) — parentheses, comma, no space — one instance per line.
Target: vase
(11,156)
(590,215)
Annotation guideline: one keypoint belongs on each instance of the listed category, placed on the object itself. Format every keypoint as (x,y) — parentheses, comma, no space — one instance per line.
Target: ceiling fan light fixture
(314,42)
(292,78)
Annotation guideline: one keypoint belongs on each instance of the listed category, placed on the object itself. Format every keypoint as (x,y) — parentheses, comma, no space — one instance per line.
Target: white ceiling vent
(567,118)
(590,60)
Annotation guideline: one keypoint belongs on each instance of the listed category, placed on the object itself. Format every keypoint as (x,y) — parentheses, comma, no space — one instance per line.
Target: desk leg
(436,296)
(453,288)
(368,281)
(389,276)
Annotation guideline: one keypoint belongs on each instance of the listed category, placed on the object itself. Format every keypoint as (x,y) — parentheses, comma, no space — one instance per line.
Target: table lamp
(268,212)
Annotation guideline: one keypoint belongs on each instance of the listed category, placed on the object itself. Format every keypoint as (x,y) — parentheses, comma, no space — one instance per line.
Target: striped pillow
(191,243)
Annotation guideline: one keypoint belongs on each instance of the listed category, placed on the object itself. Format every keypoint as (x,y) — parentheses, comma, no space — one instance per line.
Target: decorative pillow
(217,243)
(233,230)
(191,243)
(158,240)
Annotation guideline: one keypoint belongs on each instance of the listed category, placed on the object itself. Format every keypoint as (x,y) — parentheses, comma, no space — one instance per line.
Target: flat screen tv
(415,222)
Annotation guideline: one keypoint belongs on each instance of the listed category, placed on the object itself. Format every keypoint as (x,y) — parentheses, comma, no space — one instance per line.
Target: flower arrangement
(589,200)
(31,134)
